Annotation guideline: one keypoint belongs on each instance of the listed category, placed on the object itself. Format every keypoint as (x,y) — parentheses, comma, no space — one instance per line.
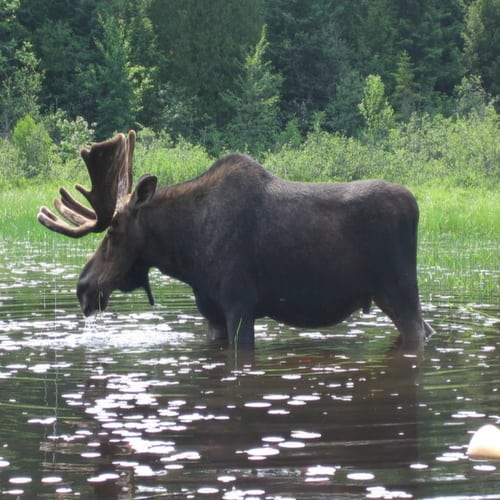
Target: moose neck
(171,229)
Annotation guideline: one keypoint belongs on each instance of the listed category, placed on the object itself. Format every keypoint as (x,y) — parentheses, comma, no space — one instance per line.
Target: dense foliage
(330,89)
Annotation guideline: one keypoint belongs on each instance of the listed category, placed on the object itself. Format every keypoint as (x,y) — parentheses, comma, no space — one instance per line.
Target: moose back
(248,243)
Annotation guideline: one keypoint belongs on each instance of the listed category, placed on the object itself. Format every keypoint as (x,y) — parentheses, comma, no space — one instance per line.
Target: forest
(337,89)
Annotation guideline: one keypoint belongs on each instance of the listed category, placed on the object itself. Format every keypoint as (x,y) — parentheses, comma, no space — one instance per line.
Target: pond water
(136,403)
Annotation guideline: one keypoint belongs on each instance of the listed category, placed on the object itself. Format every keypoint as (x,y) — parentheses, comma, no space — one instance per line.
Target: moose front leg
(236,302)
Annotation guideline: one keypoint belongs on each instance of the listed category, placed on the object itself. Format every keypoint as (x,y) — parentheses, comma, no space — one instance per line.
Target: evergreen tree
(254,105)
(404,96)
(117,106)
(203,46)
(342,113)
(471,98)
(371,27)
(145,60)
(62,34)
(482,42)
(430,32)
(308,48)
(20,77)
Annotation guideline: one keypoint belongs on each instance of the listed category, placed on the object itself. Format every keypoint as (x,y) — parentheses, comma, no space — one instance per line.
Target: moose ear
(144,191)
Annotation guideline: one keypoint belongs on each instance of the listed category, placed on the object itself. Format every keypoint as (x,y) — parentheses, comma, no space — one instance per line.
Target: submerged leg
(239,298)
(240,328)
(217,331)
(402,305)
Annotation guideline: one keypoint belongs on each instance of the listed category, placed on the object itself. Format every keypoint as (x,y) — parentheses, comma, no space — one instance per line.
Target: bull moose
(248,243)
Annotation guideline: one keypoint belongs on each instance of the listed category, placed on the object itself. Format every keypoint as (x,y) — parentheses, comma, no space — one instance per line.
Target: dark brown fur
(253,245)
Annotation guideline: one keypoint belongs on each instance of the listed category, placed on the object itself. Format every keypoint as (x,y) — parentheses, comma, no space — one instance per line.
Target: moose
(248,243)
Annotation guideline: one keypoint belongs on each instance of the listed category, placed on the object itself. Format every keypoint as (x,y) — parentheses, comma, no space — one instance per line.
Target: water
(136,404)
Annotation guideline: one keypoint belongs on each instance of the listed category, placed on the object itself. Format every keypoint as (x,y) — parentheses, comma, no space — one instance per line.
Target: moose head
(116,264)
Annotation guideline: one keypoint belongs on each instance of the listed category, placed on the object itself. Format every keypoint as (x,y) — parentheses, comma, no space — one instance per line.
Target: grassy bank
(459,241)
(459,235)
(452,212)
(446,212)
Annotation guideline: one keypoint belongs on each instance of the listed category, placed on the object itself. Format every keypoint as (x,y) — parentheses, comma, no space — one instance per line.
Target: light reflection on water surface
(136,404)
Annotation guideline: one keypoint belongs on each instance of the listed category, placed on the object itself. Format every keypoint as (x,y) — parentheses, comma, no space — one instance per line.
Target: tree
(254,104)
(62,35)
(375,109)
(145,59)
(308,48)
(20,87)
(404,96)
(203,46)
(20,78)
(482,42)
(471,98)
(342,113)
(34,145)
(61,50)
(430,32)
(371,27)
(117,106)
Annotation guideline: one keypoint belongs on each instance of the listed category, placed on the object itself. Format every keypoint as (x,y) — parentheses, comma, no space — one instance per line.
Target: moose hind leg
(402,305)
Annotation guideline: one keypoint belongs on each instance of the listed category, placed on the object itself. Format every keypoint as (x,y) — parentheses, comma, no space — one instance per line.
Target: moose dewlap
(248,243)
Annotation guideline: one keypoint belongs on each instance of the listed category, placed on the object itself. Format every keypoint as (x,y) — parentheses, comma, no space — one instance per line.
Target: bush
(35,147)
(69,137)
(155,154)
(324,157)
(10,171)
(461,151)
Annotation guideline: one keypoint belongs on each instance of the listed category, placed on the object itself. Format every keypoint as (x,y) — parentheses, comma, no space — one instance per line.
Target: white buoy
(485,443)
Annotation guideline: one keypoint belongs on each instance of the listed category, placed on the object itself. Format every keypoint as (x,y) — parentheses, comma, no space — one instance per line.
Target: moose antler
(110,169)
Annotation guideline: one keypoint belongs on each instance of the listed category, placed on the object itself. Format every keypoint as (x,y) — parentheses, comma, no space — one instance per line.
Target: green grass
(459,241)
(466,214)
(459,233)
(445,212)
(19,208)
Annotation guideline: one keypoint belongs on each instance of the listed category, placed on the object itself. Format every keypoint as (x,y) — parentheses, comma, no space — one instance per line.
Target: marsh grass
(445,212)
(448,264)
(458,234)
(459,240)
(18,219)
(471,213)
(19,208)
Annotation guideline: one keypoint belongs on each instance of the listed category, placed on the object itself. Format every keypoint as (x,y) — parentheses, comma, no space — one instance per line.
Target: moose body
(251,245)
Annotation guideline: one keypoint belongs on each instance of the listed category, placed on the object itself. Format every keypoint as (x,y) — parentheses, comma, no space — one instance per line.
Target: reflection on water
(136,404)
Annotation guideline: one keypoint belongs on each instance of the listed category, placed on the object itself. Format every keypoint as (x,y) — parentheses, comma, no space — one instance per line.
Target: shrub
(10,171)
(155,154)
(69,137)
(461,151)
(326,157)
(34,145)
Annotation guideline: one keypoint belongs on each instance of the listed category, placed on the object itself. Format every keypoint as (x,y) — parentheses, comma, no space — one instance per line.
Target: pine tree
(203,46)
(482,42)
(117,106)
(254,104)
(20,76)
(404,96)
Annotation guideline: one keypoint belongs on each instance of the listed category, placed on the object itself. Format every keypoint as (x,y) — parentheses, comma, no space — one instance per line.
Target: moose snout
(90,297)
